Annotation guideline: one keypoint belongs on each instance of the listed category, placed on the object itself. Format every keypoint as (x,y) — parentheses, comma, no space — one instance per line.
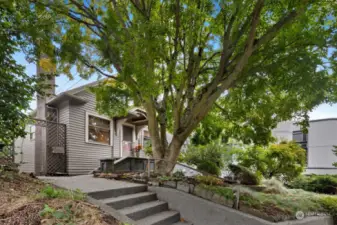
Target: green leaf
(59,214)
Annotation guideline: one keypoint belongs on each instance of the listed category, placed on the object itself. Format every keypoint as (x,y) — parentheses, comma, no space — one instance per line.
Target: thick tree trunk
(166,163)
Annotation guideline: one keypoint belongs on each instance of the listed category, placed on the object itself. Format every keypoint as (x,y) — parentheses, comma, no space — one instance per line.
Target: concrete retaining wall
(201,212)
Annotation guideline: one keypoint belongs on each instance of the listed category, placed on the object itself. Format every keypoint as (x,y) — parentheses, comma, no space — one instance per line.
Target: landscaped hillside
(28,201)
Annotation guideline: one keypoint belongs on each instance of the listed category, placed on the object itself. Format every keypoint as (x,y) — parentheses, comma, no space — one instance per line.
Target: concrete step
(118,192)
(143,210)
(130,200)
(162,218)
(182,223)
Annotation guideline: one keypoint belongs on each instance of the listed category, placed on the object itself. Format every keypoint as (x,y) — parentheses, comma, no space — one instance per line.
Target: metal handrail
(175,163)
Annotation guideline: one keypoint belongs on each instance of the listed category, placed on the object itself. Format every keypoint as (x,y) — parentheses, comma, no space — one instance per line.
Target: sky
(64,84)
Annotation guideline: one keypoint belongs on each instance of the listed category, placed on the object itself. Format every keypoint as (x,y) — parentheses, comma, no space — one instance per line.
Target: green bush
(179,174)
(209,180)
(210,158)
(284,161)
(209,167)
(244,175)
(329,204)
(225,192)
(50,192)
(326,184)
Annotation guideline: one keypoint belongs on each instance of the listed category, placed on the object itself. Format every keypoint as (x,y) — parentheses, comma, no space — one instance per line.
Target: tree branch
(274,30)
(99,70)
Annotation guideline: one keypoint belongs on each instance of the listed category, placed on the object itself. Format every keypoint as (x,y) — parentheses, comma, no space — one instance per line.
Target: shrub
(179,174)
(274,186)
(329,204)
(285,161)
(225,192)
(244,175)
(209,180)
(148,149)
(50,192)
(210,158)
(326,184)
(209,167)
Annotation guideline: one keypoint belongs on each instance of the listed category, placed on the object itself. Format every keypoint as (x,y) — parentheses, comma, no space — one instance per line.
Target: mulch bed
(19,204)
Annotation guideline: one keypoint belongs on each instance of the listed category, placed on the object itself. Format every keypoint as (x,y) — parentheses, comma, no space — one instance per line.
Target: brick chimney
(44,66)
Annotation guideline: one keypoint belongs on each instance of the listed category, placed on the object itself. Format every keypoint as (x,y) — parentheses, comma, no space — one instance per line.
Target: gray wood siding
(83,157)
(25,153)
(64,112)
(116,142)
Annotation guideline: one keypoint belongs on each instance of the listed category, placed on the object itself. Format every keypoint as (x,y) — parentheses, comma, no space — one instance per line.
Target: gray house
(69,136)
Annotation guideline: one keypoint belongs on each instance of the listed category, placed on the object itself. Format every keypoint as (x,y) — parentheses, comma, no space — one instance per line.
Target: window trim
(31,133)
(87,114)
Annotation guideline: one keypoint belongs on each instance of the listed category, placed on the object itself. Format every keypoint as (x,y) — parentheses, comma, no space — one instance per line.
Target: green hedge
(325,184)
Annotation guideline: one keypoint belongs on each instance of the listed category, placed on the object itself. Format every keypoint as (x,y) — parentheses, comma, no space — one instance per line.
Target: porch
(132,133)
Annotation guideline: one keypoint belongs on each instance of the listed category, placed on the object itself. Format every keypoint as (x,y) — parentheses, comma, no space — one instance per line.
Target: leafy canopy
(17,88)
(264,61)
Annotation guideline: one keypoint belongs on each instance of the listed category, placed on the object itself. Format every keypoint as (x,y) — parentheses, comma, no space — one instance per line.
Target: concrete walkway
(87,183)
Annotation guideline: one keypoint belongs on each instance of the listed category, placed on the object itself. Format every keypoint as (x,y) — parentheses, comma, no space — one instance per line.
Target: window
(302,139)
(99,130)
(32,132)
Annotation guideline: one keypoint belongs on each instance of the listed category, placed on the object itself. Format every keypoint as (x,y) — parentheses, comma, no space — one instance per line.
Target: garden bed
(257,200)
(27,200)
(274,207)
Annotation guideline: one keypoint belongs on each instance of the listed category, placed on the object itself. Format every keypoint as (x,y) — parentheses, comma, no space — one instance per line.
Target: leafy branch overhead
(265,60)
(17,88)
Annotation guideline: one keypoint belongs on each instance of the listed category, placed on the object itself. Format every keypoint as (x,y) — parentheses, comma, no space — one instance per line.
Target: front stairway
(140,205)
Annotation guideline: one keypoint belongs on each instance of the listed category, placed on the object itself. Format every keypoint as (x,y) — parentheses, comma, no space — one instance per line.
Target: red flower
(137,148)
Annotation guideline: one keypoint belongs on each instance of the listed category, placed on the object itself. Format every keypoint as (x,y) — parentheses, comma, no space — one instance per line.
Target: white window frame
(87,114)
(32,133)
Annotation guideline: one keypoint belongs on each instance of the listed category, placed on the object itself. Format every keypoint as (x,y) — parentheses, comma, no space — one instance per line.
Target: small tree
(284,161)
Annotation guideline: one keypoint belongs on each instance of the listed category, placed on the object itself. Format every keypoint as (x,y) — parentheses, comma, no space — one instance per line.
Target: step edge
(136,209)
(126,197)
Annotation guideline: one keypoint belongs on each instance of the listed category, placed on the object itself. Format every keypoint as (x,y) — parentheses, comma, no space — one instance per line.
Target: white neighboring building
(319,142)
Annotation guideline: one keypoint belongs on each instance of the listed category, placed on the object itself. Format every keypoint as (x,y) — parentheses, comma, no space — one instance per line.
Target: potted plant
(137,149)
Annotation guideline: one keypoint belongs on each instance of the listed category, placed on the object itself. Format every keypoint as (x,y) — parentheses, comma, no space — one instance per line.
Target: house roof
(64,96)
(135,116)
(81,88)
(70,95)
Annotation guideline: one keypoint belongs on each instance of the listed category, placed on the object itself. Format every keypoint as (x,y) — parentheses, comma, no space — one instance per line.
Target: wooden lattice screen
(56,146)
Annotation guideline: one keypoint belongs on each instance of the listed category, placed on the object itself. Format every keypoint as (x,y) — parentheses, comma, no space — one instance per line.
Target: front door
(127,140)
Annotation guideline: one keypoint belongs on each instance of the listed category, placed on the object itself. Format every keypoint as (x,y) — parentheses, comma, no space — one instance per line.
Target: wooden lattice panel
(56,139)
